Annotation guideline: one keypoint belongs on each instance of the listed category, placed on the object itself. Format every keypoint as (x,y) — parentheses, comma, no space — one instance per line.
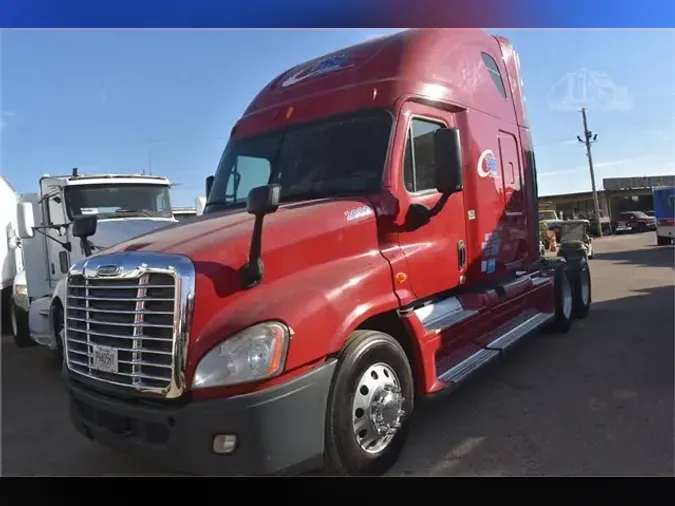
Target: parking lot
(596,401)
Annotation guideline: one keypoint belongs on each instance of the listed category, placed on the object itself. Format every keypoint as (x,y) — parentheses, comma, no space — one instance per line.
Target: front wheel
(20,328)
(371,398)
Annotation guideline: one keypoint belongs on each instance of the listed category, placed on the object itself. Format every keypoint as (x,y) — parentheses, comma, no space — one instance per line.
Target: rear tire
(20,329)
(581,289)
(372,392)
(563,296)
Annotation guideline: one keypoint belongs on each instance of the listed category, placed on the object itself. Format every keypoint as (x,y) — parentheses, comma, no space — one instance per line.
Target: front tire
(20,328)
(370,401)
(59,356)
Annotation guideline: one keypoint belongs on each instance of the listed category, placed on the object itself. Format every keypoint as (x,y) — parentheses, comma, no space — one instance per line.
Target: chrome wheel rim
(377,408)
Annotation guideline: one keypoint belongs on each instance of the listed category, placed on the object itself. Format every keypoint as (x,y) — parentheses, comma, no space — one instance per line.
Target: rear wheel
(371,397)
(564,300)
(581,289)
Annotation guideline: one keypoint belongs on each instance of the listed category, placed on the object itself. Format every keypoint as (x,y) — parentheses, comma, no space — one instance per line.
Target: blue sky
(122,100)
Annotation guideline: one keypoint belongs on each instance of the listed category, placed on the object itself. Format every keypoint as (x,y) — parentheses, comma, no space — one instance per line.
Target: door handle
(461,255)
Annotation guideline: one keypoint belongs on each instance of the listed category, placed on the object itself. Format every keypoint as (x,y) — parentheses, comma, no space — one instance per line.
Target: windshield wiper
(309,195)
(225,204)
(133,211)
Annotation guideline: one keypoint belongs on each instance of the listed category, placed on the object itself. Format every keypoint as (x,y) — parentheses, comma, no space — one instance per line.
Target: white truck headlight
(255,353)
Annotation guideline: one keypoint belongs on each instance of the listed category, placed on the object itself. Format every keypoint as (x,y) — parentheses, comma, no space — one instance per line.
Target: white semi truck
(125,205)
(11,260)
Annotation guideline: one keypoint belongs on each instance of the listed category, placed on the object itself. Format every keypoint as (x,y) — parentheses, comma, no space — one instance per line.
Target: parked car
(633,221)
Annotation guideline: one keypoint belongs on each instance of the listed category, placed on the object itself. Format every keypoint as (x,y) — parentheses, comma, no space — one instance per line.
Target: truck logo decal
(330,64)
(359,212)
(105,271)
(487,164)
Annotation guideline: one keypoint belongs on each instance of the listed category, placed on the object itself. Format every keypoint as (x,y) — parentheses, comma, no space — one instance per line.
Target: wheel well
(390,323)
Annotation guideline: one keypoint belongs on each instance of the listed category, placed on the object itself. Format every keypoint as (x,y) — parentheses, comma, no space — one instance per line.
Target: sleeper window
(419,168)
(493,70)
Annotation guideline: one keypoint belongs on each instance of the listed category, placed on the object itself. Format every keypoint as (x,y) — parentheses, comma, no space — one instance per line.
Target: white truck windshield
(118,201)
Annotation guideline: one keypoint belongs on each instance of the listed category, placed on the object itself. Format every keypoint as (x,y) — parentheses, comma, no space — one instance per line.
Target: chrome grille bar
(127,320)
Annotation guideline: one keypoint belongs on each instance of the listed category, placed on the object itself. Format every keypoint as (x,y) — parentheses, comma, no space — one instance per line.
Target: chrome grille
(136,319)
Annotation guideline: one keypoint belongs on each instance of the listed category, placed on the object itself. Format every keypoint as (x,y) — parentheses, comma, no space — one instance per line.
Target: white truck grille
(126,325)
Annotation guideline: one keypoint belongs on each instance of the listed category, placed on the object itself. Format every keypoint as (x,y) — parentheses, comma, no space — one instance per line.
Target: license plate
(105,359)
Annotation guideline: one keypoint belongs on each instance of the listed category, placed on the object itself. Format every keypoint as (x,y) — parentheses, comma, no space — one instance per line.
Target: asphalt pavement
(597,401)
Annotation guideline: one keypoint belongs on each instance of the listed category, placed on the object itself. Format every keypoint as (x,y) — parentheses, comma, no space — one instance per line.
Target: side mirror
(200,203)
(84,227)
(25,220)
(209,185)
(448,159)
(263,200)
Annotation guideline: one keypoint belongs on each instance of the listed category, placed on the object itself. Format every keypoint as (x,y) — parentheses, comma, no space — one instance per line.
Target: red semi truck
(370,239)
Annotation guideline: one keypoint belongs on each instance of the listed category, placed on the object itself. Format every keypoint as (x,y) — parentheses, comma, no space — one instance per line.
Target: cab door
(57,222)
(514,221)
(436,252)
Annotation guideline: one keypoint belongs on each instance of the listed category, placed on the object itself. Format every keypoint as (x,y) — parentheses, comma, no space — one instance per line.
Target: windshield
(118,201)
(547,215)
(334,157)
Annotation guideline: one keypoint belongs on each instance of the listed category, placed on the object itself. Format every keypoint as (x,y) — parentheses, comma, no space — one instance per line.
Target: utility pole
(588,139)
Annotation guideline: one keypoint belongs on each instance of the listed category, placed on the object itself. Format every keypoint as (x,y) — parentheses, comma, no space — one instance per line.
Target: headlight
(255,353)
(20,290)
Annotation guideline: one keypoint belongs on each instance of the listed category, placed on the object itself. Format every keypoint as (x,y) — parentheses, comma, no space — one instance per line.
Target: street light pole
(588,139)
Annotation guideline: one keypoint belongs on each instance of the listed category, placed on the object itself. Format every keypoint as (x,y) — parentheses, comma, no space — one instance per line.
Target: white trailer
(11,261)
(125,205)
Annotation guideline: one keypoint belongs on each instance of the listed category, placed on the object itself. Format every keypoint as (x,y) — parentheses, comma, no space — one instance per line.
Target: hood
(111,232)
(224,238)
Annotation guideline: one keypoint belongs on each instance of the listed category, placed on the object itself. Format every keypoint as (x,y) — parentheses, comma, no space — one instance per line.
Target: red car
(633,221)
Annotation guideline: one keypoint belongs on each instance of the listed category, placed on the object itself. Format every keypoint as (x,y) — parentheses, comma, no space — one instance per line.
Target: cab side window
(248,173)
(419,168)
(55,210)
(493,70)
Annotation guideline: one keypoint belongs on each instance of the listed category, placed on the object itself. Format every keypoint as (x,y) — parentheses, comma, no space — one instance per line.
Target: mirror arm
(66,245)
(86,247)
(438,207)
(252,271)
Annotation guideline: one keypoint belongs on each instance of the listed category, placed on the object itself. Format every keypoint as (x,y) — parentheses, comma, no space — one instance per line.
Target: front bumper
(281,428)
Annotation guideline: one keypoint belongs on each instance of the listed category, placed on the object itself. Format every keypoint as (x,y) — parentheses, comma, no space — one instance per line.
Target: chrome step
(468,366)
(443,314)
(479,359)
(519,331)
